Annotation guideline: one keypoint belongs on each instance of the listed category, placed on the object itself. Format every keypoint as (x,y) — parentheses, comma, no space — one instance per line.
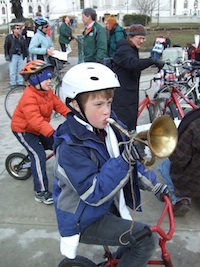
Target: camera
(18,51)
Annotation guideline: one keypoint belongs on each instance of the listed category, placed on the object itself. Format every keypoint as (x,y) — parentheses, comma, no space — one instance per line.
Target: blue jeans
(108,231)
(15,66)
(164,170)
(36,146)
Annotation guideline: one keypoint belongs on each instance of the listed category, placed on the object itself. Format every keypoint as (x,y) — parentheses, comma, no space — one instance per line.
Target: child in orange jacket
(31,122)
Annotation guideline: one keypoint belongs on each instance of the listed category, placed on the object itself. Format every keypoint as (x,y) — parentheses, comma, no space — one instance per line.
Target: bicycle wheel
(79,261)
(57,88)
(18,166)
(12,99)
(151,110)
(190,94)
(161,109)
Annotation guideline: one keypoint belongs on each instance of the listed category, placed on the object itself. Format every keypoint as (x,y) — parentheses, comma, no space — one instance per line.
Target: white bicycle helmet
(87,77)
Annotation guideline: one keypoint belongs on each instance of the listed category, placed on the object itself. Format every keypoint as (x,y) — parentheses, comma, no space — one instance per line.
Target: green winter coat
(95,44)
(115,35)
(65,34)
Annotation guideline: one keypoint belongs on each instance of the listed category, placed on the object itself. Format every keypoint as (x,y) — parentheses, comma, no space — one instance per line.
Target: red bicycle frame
(163,238)
(144,103)
(173,97)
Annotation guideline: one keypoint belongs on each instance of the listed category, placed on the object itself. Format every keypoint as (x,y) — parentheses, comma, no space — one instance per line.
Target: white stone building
(175,10)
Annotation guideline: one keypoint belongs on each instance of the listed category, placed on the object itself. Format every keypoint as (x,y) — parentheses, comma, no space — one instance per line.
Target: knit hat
(136,29)
(111,19)
(40,77)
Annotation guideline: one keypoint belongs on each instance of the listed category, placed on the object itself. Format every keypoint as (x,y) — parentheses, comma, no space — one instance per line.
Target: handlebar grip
(156,79)
(140,235)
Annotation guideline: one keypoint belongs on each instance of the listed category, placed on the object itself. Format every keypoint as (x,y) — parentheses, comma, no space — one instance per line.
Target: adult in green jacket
(94,37)
(116,33)
(65,33)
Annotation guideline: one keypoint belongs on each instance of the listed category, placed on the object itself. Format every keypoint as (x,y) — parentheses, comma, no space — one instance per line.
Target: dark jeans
(36,146)
(112,231)
(63,47)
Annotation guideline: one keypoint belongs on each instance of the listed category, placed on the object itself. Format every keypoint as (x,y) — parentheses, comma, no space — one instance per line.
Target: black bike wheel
(12,99)
(160,109)
(18,166)
(57,89)
(79,261)
(151,110)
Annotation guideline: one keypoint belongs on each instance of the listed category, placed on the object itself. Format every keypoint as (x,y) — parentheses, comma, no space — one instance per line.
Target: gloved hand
(159,63)
(7,58)
(140,148)
(130,154)
(144,183)
(161,189)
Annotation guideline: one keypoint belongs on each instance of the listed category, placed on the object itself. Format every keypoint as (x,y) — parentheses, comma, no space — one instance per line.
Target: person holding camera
(15,52)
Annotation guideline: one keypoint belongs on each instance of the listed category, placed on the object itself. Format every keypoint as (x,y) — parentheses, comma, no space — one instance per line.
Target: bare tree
(147,6)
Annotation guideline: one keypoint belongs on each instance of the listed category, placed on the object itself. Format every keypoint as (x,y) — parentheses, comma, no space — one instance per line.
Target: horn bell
(162,136)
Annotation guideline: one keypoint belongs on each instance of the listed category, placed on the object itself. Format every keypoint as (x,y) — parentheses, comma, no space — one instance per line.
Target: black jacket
(128,67)
(9,46)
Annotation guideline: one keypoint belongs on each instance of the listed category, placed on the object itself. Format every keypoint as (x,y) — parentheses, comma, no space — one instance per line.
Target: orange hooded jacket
(34,109)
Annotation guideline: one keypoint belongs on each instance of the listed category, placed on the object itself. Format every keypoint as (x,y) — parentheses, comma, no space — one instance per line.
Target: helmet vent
(94,78)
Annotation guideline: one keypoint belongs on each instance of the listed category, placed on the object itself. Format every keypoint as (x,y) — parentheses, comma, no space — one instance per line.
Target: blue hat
(37,78)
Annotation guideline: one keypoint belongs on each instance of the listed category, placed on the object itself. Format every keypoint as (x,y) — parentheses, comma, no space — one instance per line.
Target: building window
(30,9)
(47,8)
(39,9)
(82,4)
(3,11)
(185,4)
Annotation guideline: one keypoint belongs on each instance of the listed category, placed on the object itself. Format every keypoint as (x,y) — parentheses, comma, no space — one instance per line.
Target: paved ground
(28,230)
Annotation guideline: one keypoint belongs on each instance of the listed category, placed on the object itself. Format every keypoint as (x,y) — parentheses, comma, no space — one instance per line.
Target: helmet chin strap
(40,89)
(81,114)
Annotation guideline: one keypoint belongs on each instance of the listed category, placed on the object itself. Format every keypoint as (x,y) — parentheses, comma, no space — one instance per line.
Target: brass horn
(161,138)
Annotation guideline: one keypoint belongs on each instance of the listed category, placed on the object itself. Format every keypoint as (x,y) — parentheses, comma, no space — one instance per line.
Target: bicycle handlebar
(147,231)
(150,84)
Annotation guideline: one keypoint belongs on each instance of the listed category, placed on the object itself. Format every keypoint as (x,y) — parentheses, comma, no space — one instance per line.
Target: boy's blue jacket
(86,178)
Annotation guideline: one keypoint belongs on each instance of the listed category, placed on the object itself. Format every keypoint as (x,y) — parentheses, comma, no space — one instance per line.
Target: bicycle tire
(12,99)
(170,109)
(151,110)
(56,85)
(57,89)
(12,164)
(79,261)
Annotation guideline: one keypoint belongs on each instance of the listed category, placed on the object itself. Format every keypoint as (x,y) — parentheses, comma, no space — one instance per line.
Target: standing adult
(181,171)
(116,32)
(65,33)
(94,37)
(15,52)
(28,32)
(128,67)
(168,41)
(41,45)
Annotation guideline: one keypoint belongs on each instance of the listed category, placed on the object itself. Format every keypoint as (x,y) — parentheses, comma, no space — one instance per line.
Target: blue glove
(130,154)
(161,189)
